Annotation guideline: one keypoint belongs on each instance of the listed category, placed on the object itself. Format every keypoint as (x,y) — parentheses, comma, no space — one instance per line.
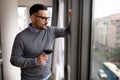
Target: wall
(30,2)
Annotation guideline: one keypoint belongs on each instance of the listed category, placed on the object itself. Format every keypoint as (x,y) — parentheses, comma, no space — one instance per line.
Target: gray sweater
(28,46)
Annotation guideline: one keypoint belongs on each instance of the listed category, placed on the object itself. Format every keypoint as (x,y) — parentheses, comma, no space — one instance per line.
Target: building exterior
(107,32)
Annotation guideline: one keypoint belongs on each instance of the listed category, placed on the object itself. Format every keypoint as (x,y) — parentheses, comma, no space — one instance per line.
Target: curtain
(58,60)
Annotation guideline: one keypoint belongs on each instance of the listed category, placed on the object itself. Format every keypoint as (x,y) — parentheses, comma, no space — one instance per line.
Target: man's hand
(70,13)
(42,59)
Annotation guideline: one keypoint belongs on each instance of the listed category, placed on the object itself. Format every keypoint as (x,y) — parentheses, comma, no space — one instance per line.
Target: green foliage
(116,53)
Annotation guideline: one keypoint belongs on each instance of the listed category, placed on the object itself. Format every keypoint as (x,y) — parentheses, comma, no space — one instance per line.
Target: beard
(43,27)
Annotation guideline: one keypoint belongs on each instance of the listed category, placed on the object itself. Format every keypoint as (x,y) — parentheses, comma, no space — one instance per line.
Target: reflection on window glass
(105,40)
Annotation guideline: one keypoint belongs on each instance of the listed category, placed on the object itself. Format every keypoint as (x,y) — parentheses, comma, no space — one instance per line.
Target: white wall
(8,31)
(31,2)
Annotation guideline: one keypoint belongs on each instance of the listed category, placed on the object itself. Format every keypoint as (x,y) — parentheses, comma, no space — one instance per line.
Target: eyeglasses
(43,18)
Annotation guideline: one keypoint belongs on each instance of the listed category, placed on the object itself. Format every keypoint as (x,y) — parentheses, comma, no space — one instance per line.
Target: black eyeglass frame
(43,18)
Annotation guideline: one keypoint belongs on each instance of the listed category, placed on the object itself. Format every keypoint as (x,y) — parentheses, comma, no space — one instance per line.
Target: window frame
(78,46)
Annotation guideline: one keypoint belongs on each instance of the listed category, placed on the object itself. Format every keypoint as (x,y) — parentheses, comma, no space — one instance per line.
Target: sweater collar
(32,29)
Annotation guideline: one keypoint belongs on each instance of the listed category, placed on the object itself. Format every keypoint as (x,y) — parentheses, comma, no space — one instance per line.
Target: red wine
(48,51)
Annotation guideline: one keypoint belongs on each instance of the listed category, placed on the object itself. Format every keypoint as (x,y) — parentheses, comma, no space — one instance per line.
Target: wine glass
(47,51)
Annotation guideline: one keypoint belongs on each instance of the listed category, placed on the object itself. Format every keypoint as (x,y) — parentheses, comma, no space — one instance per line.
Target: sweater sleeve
(61,32)
(17,58)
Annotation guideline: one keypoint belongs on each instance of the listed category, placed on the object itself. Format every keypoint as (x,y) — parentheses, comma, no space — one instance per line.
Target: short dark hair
(36,7)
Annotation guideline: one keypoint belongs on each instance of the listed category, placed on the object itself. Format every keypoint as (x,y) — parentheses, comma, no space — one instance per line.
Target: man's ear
(32,17)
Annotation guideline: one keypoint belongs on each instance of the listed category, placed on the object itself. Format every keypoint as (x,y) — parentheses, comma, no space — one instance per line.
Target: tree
(116,54)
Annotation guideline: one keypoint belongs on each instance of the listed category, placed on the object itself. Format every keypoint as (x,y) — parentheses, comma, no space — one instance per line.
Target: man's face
(40,19)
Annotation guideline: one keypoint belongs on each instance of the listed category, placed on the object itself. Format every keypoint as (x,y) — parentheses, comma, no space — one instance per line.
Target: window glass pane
(50,15)
(105,52)
(22,18)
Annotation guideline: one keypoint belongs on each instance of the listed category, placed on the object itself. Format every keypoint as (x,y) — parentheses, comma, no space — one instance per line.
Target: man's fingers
(42,59)
(70,13)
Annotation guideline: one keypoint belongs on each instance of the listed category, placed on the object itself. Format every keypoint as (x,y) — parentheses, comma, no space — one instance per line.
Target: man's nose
(46,21)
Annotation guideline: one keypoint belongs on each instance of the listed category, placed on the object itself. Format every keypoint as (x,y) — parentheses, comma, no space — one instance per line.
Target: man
(29,45)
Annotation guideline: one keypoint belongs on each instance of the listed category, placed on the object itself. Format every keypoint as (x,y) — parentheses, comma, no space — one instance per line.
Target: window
(22,18)
(105,53)
(50,15)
